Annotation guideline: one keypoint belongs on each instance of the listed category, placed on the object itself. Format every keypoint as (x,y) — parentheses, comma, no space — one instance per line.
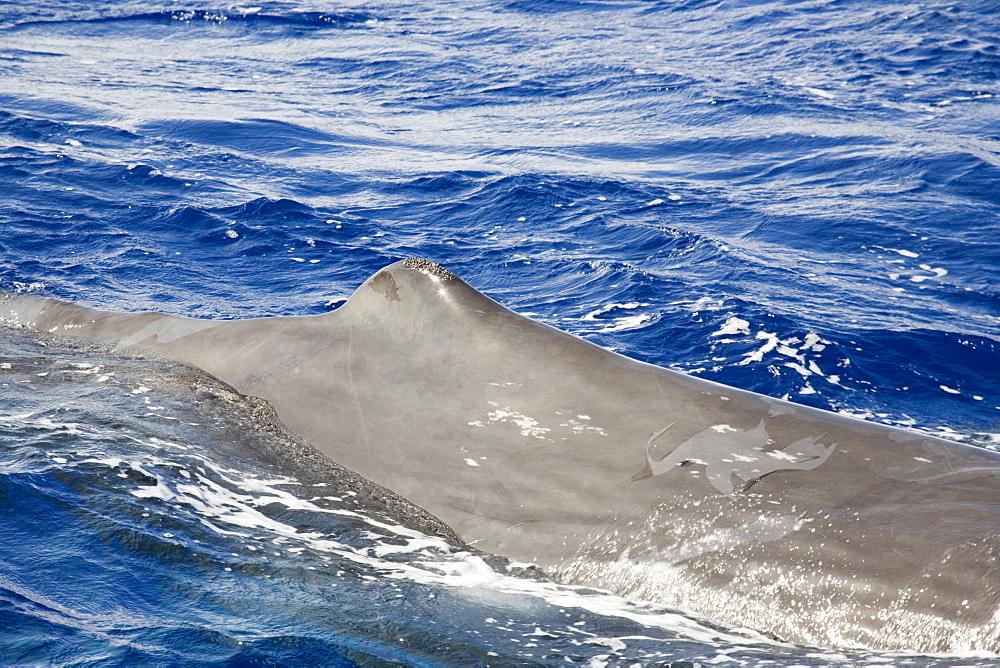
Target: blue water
(801,199)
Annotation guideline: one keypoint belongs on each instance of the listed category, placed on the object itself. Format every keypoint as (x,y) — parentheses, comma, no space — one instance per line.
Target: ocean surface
(797,198)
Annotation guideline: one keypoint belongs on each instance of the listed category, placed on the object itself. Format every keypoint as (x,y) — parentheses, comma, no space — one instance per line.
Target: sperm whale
(531,443)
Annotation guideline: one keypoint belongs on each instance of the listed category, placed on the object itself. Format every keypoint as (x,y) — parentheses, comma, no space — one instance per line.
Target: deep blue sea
(798,198)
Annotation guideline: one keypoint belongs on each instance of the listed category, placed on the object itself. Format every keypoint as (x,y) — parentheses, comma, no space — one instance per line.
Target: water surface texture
(800,199)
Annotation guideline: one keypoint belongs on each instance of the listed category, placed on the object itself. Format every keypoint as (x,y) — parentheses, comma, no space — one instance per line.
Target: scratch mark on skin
(495,534)
(666,395)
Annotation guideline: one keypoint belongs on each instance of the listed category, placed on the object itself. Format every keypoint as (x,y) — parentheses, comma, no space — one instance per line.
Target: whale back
(539,446)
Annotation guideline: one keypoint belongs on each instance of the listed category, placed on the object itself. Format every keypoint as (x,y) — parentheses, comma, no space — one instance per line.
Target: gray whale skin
(533,444)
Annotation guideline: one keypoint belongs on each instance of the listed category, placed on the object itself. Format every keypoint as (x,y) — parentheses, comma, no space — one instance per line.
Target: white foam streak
(733,326)
(473,574)
(622,324)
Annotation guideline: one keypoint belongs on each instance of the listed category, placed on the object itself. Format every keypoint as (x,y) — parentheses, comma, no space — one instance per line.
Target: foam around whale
(536,445)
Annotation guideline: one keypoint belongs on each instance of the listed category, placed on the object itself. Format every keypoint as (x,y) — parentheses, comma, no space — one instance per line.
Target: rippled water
(800,199)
